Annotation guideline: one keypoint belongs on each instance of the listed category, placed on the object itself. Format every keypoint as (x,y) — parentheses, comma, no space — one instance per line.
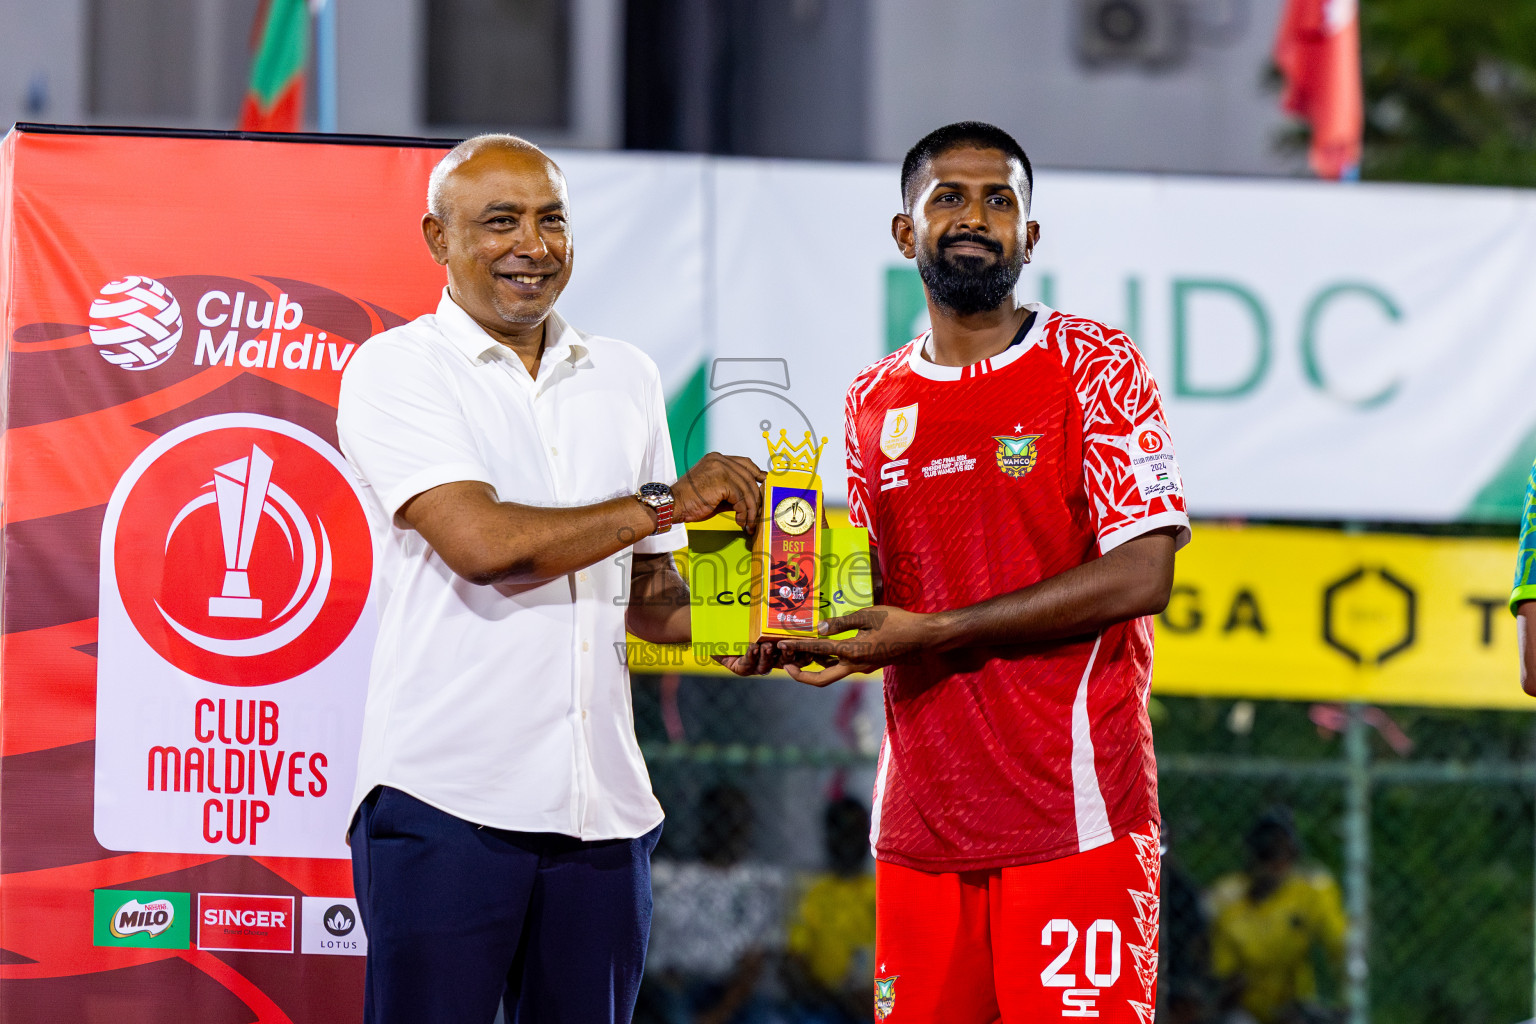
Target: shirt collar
(562,342)
(923,367)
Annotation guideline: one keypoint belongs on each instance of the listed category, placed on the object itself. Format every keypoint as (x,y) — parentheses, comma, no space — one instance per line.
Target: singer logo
(242,555)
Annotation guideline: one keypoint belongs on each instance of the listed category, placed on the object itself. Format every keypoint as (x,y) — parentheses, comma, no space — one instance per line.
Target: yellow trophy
(786,554)
(790,576)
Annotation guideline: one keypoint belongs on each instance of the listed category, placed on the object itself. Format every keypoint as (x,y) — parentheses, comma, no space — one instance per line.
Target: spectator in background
(830,963)
(716,923)
(1269,922)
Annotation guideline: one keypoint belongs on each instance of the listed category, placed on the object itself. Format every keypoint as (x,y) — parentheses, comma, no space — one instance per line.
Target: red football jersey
(977,481)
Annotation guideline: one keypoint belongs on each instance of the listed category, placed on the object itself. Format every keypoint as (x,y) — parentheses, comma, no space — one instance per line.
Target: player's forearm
(1133,580)
(659,609)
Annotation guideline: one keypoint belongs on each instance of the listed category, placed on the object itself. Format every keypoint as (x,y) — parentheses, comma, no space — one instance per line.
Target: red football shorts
(1068,939)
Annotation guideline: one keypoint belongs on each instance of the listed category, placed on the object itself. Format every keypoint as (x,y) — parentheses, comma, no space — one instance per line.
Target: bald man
(518,478)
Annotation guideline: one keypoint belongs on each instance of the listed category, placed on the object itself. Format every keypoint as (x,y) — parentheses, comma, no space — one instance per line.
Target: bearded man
(1015,472)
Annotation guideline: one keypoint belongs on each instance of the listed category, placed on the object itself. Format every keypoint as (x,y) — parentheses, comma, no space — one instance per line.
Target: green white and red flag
(274,102)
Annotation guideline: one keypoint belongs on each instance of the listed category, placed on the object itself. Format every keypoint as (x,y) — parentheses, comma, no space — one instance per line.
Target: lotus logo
(339,920)
(135,918)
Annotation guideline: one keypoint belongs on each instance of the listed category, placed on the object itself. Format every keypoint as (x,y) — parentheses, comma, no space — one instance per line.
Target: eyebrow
(508,207)
(960,186)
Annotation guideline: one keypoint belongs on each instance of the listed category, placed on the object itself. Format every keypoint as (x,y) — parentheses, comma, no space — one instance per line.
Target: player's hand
(718,482)
(885,634)
(760,659)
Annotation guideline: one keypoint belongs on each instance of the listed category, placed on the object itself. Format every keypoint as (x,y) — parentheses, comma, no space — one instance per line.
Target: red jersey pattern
(978,481)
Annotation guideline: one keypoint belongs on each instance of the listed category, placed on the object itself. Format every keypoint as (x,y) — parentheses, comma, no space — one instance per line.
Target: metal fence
(1426,819)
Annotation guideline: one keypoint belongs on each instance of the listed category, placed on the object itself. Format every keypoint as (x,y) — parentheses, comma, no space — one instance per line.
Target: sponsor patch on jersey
(898,431)
(1016,456)
(1152,462)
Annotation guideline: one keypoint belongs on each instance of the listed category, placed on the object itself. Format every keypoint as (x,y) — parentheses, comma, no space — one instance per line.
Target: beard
(968,284)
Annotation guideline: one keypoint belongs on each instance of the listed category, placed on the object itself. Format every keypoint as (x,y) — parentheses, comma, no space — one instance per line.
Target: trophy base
(234,607)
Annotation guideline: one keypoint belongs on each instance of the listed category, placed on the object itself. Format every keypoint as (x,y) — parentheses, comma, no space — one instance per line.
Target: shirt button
(583,714)
(553,450)
(582,576)
(585,646)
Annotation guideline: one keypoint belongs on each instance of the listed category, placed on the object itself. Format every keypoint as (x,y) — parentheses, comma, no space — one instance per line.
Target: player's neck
(963,340)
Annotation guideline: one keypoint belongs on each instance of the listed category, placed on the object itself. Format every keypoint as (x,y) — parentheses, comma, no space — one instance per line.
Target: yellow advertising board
(1290,613)
(1299,614)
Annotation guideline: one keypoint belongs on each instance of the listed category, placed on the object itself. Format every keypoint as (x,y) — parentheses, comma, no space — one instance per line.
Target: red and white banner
(186,622)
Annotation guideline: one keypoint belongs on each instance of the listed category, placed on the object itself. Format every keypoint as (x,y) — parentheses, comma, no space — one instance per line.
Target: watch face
(655,495)
(794,515)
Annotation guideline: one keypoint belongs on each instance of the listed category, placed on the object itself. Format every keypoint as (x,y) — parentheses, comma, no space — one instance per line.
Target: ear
(436,235)
(905,233)
(1031,237)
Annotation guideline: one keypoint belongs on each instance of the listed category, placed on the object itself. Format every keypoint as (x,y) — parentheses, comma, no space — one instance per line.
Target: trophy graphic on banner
(240,488)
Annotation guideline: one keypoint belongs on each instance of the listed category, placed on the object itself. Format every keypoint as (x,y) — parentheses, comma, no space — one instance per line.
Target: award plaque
(786,554)
(791,575)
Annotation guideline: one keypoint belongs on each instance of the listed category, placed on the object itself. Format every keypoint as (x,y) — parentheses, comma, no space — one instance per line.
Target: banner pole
(325,66)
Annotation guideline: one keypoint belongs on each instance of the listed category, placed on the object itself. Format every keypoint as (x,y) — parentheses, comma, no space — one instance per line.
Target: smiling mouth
(524,278)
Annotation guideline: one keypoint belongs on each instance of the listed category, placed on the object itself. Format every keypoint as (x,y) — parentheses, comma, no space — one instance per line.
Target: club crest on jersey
(898,431)
(885,991)
(1016,456)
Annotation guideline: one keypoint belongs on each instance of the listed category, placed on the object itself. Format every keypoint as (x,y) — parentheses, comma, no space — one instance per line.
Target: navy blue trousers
(460,917)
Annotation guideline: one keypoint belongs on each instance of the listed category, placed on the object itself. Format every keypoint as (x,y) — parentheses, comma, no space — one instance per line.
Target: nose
(530,243)
(974,216)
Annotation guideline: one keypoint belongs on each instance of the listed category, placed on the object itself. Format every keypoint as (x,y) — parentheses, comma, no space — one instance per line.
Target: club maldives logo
(242,555)
(1151,441)
(135,323)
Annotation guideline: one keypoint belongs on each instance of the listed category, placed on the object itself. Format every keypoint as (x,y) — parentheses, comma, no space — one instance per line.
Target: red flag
(1318,51)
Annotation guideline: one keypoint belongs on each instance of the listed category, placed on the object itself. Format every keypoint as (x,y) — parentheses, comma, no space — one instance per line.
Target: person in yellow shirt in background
(1269,926)
(830,964)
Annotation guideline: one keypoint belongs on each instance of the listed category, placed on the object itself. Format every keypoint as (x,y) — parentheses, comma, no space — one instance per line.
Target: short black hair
(961,135)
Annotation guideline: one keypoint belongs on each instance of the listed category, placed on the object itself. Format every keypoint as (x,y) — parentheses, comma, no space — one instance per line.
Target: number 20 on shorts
(1100,965)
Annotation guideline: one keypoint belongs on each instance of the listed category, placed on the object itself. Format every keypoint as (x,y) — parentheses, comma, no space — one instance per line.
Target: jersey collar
(920,365)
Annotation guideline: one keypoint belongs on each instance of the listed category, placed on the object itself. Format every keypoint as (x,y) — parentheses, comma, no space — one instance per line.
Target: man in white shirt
(515,474)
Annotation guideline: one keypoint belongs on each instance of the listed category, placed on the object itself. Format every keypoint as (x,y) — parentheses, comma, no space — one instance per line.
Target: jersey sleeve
(401,427)
(860,512)
(1129,468)
(1525,560)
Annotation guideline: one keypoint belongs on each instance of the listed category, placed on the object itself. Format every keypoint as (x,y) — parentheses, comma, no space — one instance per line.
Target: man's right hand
(717,482)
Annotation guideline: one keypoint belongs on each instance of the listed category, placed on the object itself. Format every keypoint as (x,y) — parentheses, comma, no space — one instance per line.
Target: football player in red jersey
(1014,469)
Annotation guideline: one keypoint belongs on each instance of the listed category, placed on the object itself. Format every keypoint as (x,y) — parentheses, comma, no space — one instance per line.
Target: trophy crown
(786,456)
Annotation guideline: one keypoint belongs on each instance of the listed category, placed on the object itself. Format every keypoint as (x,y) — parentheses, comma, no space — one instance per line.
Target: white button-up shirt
(504,705)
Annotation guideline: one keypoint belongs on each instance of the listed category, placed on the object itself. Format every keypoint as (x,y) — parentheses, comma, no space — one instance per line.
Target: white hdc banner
(1324,351)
